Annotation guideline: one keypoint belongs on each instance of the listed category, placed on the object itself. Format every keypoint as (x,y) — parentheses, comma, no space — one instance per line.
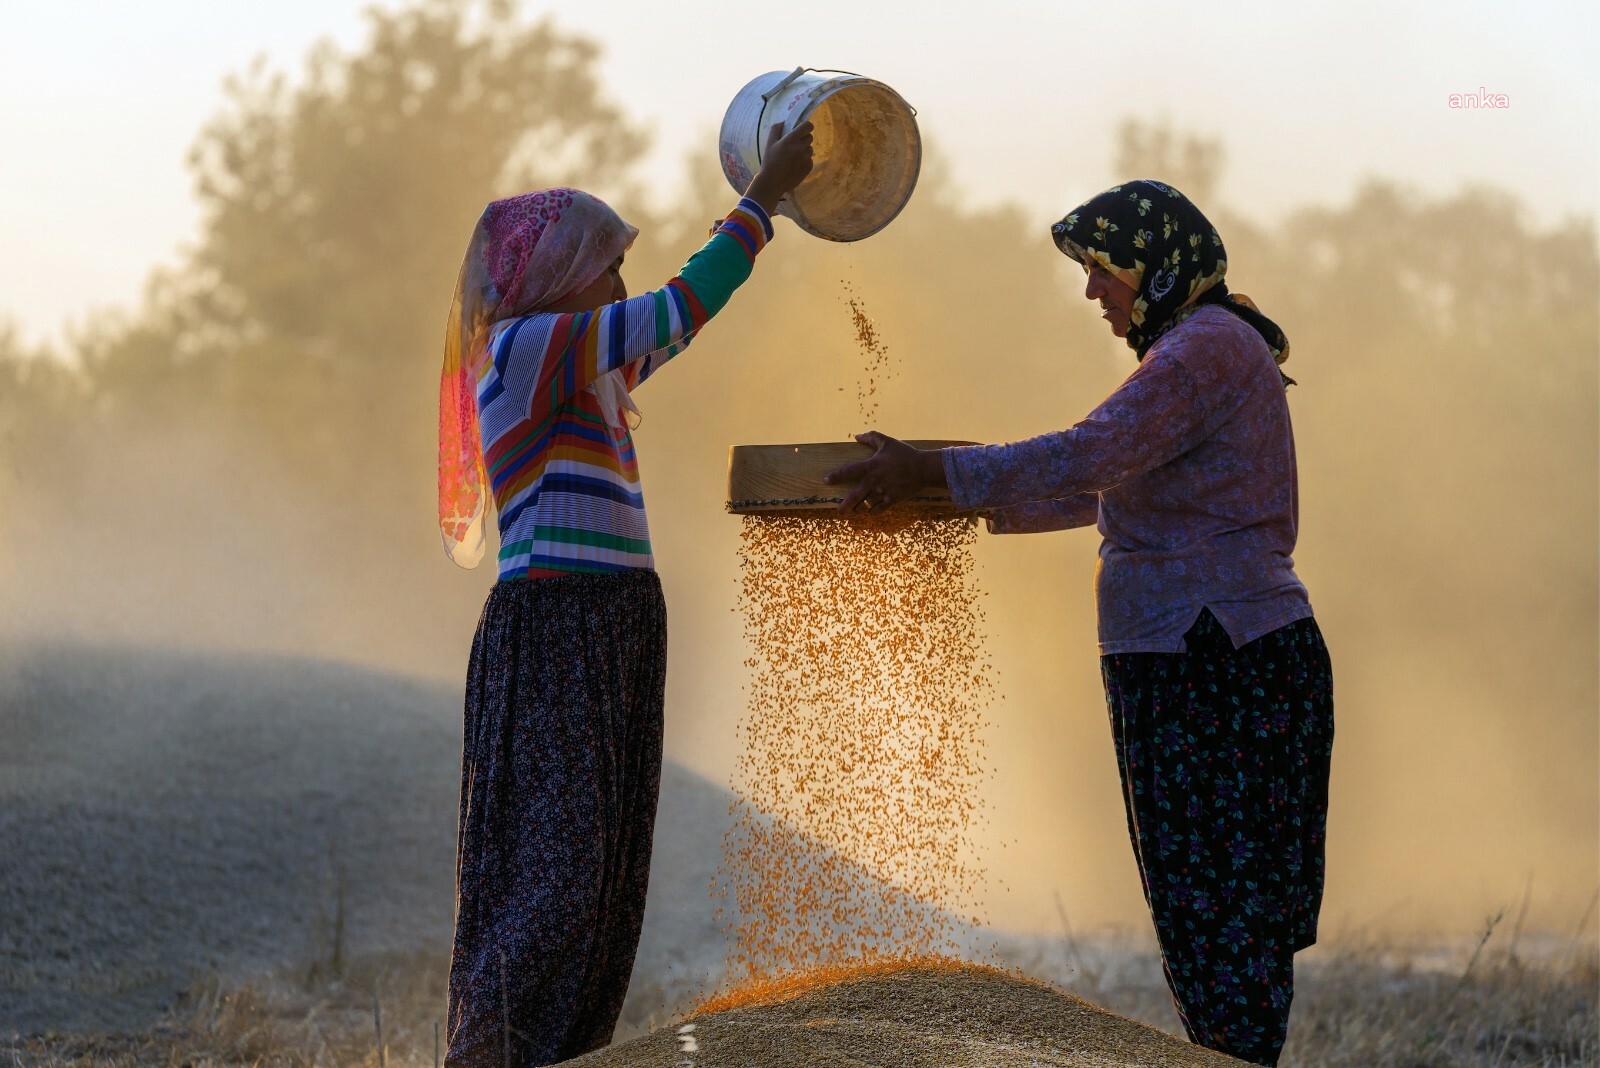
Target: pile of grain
(928,1014)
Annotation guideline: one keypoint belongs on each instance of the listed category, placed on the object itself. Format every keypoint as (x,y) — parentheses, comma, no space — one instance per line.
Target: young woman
(562,743)
(1217,679)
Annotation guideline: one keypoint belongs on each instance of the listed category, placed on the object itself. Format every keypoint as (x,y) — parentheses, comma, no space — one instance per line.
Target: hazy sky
(100,101)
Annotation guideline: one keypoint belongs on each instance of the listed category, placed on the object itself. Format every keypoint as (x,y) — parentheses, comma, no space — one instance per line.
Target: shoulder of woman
(526,336)
(522,328)
(1213,343)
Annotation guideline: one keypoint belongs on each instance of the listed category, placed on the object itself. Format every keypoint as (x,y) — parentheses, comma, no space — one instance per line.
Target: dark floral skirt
(1224,757)
(561,765)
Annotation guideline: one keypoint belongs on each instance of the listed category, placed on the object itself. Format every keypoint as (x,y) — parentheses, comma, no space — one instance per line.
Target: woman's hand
(891,474)
(784,165)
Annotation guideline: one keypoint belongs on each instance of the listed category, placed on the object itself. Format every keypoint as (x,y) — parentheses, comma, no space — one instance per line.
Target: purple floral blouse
(1189,469)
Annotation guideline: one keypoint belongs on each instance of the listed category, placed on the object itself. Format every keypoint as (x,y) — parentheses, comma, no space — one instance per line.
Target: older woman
(561,755)
(1217,680)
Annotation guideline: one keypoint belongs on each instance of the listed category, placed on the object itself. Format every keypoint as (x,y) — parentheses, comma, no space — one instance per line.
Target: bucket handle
(766,97)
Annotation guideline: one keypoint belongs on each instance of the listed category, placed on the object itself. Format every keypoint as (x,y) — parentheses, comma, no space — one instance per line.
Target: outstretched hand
(890,475)
(784,165)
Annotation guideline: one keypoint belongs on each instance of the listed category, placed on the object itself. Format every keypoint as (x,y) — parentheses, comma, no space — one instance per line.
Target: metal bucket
(866,150)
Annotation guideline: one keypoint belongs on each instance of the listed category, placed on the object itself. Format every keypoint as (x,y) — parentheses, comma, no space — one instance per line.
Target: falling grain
(862,749)
(874,351)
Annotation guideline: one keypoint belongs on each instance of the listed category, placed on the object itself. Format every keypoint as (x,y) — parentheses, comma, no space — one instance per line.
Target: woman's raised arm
(553,356)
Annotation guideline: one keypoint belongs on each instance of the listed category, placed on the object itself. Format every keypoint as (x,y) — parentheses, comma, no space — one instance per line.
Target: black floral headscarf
(1152,237)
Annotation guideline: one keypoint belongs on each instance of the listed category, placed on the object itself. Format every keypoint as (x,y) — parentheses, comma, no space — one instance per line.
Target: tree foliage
(336,208)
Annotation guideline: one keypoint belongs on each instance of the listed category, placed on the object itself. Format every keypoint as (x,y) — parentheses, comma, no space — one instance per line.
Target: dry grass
(310,1018)
(1365,1008)
(1377,1004)
(1373,1005)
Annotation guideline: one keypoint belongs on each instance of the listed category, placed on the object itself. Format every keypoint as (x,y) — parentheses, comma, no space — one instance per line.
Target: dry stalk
(1522,914)
(377,1025)
(1091,974)
(1488,930)
(1583,922)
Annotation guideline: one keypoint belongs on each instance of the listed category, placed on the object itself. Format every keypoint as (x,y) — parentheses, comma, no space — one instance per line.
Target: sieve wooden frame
(778,479)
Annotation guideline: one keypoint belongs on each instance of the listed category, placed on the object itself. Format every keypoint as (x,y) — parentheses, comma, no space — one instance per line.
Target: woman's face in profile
(1115,297)
(607,289)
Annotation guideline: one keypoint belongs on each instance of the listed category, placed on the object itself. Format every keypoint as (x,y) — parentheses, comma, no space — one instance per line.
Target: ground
(245,860)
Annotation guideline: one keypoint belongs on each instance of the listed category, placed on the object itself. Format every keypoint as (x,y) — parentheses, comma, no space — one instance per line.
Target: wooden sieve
(767,479)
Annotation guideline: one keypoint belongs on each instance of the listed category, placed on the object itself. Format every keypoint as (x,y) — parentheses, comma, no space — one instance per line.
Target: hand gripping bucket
(866,150)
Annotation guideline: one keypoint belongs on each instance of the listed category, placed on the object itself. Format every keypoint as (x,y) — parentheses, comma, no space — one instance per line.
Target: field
(211,861)
(1380,1007)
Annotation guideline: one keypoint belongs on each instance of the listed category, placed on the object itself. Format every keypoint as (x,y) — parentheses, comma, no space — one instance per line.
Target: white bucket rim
(790,78)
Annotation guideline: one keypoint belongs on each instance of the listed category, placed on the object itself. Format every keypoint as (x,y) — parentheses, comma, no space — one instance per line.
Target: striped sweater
(565,484)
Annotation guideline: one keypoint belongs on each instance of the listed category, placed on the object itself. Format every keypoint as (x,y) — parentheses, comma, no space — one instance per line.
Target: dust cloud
(247,462)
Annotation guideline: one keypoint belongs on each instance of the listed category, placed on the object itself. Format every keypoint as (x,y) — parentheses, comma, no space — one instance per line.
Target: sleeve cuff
(1001,521)
(749,225)
(760,213)
(1031,518)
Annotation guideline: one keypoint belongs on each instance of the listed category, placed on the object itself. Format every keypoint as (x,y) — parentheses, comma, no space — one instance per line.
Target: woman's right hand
(893,473)
(784,165)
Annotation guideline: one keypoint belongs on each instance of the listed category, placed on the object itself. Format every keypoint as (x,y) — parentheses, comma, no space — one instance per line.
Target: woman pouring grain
(563,728)
(1217,680)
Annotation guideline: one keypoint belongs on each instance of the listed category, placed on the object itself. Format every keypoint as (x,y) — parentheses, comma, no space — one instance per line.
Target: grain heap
(907,1013)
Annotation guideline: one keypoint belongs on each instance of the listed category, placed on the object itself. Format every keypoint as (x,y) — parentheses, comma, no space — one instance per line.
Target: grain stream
(874,352)
(858,785)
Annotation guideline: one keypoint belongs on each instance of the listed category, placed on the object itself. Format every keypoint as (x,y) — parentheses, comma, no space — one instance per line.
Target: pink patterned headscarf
(527,252)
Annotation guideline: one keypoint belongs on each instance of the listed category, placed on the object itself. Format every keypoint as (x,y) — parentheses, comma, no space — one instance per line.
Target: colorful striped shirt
(565,483)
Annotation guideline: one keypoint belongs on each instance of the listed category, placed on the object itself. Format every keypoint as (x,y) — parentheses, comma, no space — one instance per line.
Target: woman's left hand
(891,474)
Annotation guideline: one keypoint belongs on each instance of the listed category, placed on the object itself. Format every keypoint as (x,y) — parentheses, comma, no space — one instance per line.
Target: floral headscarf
(527,252)
(1152,237)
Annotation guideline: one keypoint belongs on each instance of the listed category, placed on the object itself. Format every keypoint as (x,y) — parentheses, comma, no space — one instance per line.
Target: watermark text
(1483,98)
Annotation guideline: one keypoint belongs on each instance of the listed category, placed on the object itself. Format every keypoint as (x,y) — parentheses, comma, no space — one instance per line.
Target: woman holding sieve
(1217,680)
(561,756)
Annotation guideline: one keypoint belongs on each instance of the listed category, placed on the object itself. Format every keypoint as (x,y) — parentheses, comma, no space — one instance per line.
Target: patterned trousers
(561,765)
(1224,757)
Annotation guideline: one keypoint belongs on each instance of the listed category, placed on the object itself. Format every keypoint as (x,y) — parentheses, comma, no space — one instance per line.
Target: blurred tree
(38,393)
(1155,150)
(1458,343)
(336,209)
(254,446)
